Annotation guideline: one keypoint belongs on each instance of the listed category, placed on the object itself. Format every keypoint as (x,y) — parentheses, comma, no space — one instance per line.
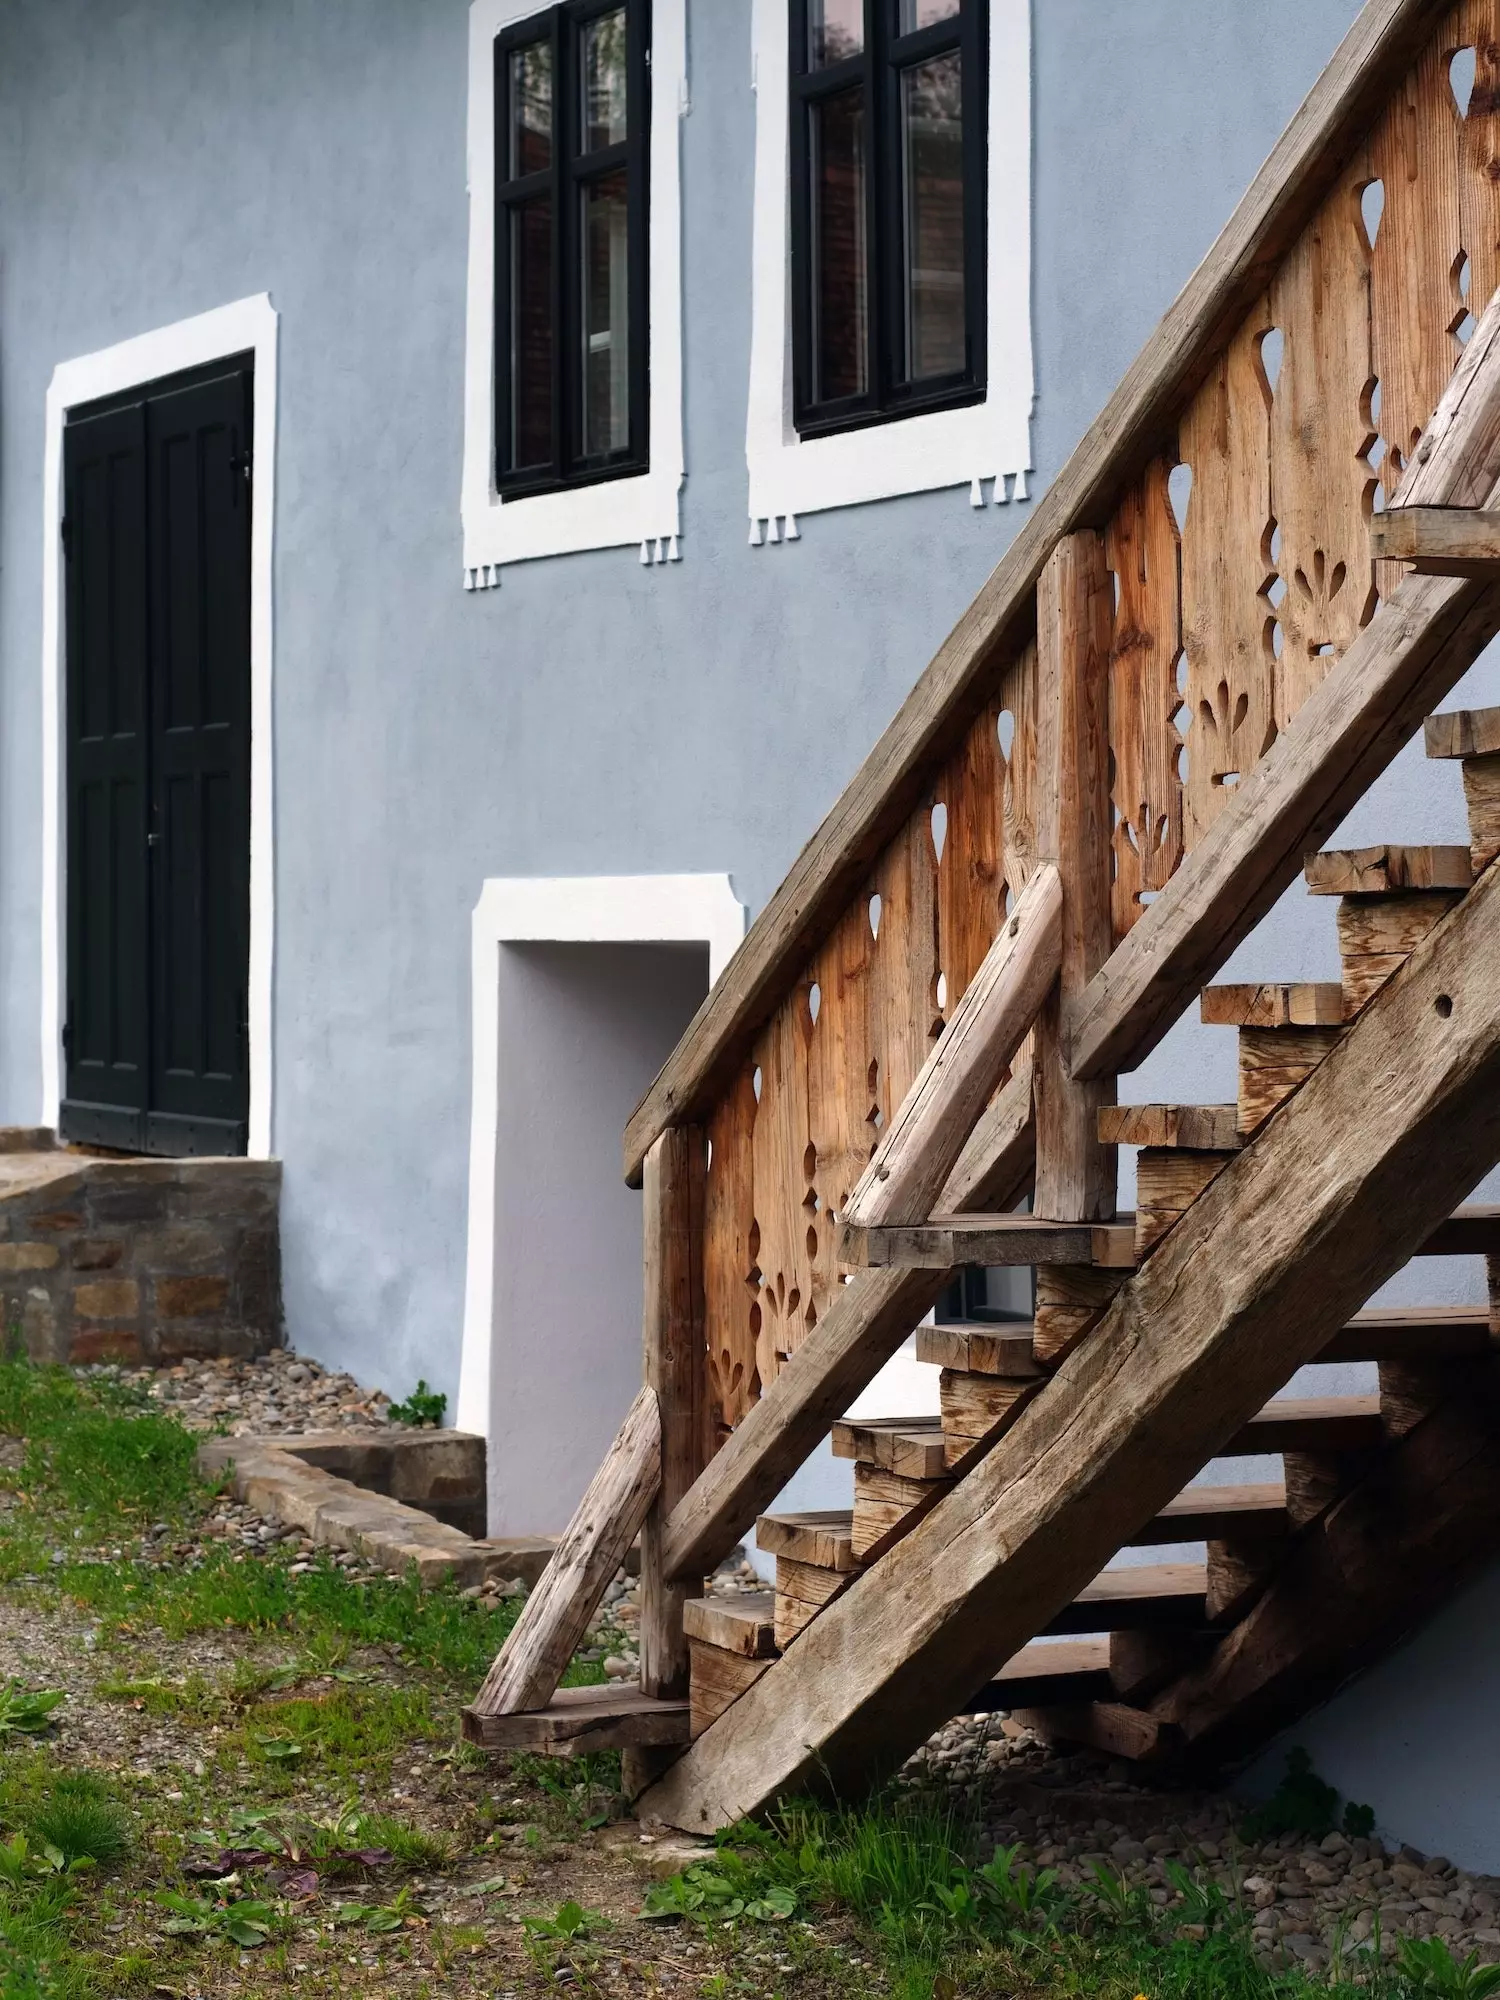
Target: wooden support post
(1075,1170)
(675,1342)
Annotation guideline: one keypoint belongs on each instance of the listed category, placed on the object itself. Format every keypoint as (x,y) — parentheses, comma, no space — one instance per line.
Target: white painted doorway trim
(575,909)
(247,326)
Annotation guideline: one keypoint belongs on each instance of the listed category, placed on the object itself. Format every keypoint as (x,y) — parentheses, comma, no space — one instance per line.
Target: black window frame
(562,25)
(878,67)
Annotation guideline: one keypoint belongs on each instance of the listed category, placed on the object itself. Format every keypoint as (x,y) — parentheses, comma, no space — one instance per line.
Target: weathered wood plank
(911,1446)
(1075,1170)
(1070,1670)
(946,1242)
(1463,732)
(1438,541)
(1412,1333)
(1385,871)
(1360,1167)
(1203,1127)
(1345,733)
(922,1146)
(1303,1005)
(1200,1513)
(1301,168)
(675,1342)
(819,1539)
(741,1624)
(1145,1597)
(560,1609)
(981,1350)
(578,1721)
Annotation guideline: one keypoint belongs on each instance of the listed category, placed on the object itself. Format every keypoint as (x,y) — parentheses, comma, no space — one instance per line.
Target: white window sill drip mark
(641,510)
(983,445)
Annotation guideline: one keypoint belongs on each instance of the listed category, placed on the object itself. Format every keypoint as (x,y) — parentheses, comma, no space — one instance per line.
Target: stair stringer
(1331,1197)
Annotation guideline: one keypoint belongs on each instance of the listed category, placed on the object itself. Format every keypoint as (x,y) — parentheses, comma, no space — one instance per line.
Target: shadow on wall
(584,1028)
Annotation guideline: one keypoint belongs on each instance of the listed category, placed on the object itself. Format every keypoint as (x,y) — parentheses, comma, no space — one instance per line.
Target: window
(887,151)
(571,266)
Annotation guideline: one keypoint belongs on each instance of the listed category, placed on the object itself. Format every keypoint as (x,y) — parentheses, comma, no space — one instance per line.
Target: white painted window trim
(247,326)
(577,909)
(987,441)
(643,508)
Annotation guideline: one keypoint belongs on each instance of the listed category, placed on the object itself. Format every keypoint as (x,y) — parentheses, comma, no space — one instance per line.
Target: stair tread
(1198,1127)
(818,1538)
(1144,1595)
(1387,870)
(1302,1004)
(948,1241)
(1201,1513)
(616,1716)
(1411,1333)
(1048,1672)
(1463,732)
(1309,1423)
(995,1347)
(910,1446)
(744,1624)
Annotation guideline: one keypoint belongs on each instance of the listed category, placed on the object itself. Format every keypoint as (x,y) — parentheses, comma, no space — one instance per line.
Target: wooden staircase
(1020,892)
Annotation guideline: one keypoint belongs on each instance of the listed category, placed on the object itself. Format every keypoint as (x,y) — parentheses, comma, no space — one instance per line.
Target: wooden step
(1207,1513)
(1463,732)
(1274,1062)
(1438,541)
(1148,1597)
(819,1539)
(578,1721)
(1306,1004)
(1168,1180)
(1413,1334)
(743,1624)
(910,1446)
(947,1242)
(718,1676)
(1310,1424)
(1378,934)
(1472,1231)
(1002,1349)
(883,1500)
(1387,871)
(1204,1128)
(1062,1670)
(977,1407)
(802,1590)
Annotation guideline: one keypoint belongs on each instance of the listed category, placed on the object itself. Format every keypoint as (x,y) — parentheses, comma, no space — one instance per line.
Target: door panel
(107,1040)
(158,647)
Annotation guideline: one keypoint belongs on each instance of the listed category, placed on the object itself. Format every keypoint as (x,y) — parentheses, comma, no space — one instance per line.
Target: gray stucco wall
(159,157)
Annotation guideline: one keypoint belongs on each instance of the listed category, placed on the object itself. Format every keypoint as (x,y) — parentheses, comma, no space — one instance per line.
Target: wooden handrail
(1304,164)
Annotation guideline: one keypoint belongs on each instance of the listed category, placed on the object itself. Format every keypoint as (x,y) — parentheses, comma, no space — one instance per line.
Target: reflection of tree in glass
(531,108)
(836,29)
(604,80)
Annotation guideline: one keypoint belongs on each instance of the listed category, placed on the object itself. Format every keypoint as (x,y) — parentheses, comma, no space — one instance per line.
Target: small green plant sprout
(24,1713)
(241,1922)
(706,1896)
(569,1924)
(1202,1906)
(22,1862)
(1433,1973)
(1021,1896)
(422,1406)
(22,1978)
(1307,1804)
(372,1917)
(1122,1904)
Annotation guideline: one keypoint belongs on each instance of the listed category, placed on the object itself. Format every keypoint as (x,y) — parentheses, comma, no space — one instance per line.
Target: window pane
(916,14)
(603,81)
(531,333)
(530,92)
(606,315)
(933,186)
(835,29)
(840,263)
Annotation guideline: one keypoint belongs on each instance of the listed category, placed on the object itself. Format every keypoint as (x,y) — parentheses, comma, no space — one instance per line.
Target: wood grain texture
(1386,870)
(820,1538)
(1206,1127)
(1463,732)
(730,1247)
(675,1348)
(740,1624)
(910,1446)
(1481,777)
(1359,1169)
(578,1721)
(1438,541)
(1384,40)
(560,1609)
(946,1242)
(922,1144)
(1308,1005)
(979,1350)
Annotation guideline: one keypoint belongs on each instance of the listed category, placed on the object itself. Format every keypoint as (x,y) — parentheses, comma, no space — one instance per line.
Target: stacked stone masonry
(135,1260)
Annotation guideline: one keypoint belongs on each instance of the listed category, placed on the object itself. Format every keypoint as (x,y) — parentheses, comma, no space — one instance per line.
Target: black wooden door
(157,551)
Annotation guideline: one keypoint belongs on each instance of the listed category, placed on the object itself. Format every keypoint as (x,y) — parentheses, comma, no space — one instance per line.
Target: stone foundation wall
(141,1260)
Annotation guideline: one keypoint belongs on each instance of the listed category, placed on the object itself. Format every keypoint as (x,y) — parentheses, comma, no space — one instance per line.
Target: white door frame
(576,909)
(247,326)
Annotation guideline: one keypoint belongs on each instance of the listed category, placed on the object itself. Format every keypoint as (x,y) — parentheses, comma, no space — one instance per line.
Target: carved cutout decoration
(1142,550)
